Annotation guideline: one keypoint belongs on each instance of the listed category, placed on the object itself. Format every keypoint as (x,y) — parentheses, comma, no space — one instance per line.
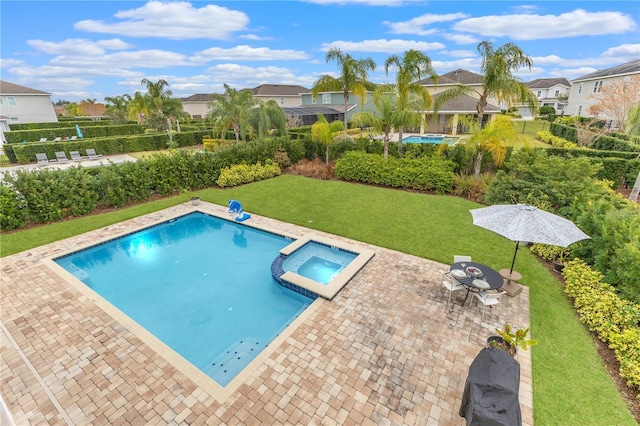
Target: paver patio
(385,350)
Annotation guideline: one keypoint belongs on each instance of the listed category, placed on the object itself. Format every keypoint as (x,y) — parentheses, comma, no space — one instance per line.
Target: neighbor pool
(431,139)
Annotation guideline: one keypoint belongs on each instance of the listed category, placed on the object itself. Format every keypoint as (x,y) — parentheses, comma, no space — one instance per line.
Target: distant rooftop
(628,68)
(458,76)
(278,90)
(7,88)
(545,83)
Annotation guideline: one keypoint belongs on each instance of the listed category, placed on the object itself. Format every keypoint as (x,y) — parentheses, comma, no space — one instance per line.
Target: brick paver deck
(385,351)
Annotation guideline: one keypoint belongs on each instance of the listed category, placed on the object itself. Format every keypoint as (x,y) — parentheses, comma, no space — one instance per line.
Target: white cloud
(461,38)
(626,51)
(152,58)
(381,46)
(361,2)
(241,76)
(247,53)
(461,53)
(417,25)
(6,63)
(78,46)
(174,20)
(539,27)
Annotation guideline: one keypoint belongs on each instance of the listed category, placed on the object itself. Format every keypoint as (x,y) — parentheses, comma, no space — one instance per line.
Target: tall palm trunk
(399,140)
(478,164)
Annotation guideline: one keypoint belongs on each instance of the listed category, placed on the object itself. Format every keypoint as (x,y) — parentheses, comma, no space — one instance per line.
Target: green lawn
(571,386)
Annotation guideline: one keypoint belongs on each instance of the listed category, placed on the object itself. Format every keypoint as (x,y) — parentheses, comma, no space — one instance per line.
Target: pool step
(229,363)
(77,272)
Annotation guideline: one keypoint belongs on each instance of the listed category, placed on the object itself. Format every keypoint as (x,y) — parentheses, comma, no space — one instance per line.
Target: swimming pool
(200,284)
(431,139)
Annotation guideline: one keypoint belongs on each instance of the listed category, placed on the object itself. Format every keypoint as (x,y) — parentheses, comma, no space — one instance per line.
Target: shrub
(13,213)
(242,173)
(555,141)
(312,168)
(469,186)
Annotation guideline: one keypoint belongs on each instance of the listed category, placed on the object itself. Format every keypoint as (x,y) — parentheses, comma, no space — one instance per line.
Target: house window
(579,110)
(1,101)
(597,86)
(326,98)
(539,93)
(13,119)
(11,100)
(580,88)
(557,92)
(281,100)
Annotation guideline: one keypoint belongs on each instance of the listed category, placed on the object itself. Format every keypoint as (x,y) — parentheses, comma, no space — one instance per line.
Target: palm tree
(323,132)
(492,139)
(389,114)
(412,67)
(353,78)
(267,116)
(232,110)
(157,92)
(633,128)
(498,66)
(138,108)
(117,107)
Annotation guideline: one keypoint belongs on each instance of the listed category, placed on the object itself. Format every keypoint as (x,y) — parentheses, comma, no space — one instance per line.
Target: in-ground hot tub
(317,267)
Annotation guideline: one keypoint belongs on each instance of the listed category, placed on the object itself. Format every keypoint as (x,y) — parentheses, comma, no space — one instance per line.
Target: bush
(428,173)
(555,141)
(242,173)
(13,213)
(469,186)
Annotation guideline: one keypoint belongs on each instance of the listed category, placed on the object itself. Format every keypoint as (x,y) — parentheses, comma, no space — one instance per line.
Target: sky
(79,50)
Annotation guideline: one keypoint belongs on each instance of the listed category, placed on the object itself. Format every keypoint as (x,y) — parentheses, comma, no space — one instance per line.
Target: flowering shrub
(242,173)
(555,141)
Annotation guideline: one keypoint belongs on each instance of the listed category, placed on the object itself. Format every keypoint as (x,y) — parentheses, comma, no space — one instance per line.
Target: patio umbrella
(522,222)
(78,131)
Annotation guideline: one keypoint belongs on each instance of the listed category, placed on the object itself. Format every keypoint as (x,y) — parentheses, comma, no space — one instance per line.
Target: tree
(497,67)
(492,139)
(588,131)
(138,108)
(323,132)
(615,100)
(353,78)
(265,117)
(73,109)
(389,113)
(157,92)
(412,67)
(633,128)
(231,110)
(117,107)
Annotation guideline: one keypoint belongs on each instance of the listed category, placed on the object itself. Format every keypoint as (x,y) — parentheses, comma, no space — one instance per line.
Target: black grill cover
(491,391)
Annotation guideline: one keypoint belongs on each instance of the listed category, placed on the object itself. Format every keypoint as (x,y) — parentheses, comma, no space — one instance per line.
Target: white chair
(488,299)
(457,258)
(451,284)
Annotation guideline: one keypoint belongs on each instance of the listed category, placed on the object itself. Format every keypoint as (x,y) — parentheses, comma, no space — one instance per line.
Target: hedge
(608,143)
(26,153)
(614,320)
(34,136)
(60,123)
(242,173)
(428,173)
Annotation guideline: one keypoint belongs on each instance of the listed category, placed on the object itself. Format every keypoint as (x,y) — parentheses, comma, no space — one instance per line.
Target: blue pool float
(235,207)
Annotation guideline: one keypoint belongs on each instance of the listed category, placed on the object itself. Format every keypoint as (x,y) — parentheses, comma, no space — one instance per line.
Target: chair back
(494,296)
(458,258)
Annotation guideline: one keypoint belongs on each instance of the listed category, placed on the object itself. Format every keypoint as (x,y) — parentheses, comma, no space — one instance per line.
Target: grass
(570,383)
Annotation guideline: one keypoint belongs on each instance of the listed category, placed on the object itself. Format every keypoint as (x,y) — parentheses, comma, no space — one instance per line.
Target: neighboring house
(20,104)
(548,90)
(335,100)
(582,89)
(447,118)
(284,95)
(308,114)
(196,105)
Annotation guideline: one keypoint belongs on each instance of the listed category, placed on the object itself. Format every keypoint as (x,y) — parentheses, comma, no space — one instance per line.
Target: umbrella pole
(514,256)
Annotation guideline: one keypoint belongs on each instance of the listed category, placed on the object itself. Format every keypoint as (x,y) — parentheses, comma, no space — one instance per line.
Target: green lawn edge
(570,383)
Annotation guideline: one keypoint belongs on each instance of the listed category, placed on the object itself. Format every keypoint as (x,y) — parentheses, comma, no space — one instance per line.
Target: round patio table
(488,274)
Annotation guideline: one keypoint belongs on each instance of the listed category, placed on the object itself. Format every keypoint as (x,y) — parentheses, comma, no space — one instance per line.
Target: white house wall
(27,109)
(580,96)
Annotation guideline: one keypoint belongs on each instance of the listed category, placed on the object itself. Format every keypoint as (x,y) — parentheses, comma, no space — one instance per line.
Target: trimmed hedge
(614,320)
(60,123)
(608,143)
(428,173)
(33,136)
(555,141)
(26,153)
(242,173)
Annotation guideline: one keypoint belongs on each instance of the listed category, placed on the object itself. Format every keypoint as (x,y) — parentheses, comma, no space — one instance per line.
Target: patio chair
(458,258)
(75,156)
(488,299)
(451,284)
(42,158)
(61,157)
(91,153)
(42,140)
(57,139)
(73,138)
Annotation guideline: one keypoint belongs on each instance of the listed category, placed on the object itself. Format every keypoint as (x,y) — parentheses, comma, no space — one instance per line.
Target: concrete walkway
(387,350)
(102,161)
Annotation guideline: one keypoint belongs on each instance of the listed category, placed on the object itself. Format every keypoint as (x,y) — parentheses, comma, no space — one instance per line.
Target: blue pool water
(431,140)
(318,262)
(200,284)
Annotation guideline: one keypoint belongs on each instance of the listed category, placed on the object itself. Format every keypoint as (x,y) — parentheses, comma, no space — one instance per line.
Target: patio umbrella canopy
(522,222)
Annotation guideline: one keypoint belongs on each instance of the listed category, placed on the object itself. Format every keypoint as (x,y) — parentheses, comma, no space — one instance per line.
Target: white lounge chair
(57,139)
(75,156)
(42,159)
(91,153)
(61,157)
(42,140)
